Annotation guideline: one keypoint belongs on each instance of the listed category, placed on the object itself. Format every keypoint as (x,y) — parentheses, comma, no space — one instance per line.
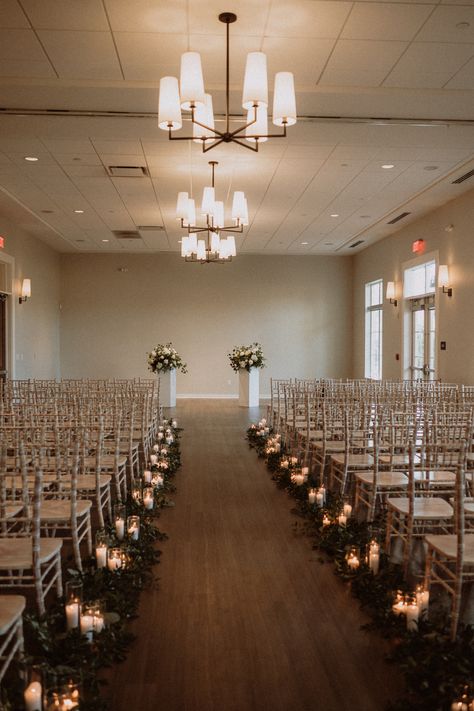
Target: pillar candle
(412,612)
(72,615)
(101,556)
(312,496)
(120,528)
(33,696)
(87,626)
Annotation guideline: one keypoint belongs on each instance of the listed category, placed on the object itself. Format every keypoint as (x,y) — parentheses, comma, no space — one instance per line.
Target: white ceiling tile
(26,68)
(146,56)
(387,21)
(20,45)
(11,15)
(307,18)
(304,56)
(112,147)
(435,64)
(147,16)
(81,55)
(251,17)
(464,79)
(66,14)
(443,25)
(361,63)
(63,146)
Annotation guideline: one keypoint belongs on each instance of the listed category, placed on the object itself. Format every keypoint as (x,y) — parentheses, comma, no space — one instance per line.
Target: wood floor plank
(246,618)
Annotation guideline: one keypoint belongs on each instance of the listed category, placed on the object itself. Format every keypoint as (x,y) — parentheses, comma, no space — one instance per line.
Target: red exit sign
(2,242)
(418,246)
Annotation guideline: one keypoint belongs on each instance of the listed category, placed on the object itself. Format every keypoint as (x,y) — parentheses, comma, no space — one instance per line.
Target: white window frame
(370,363)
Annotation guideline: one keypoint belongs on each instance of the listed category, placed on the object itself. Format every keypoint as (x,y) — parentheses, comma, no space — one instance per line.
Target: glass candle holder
(464,701)
(73,603)
(133,527)
(312,496)
(422,599)
(119,518)
(114,559)
(87,621)
(147,476)
(148,498)
(347,509)
(136,493)
(99,621)
(62,698)
(153,459)
(373,556)
(101,545)
(353,558)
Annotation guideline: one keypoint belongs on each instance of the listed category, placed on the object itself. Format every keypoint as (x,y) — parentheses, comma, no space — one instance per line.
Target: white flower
(159,365)
(166,361)
(242,364)
(248,352)
(166,351)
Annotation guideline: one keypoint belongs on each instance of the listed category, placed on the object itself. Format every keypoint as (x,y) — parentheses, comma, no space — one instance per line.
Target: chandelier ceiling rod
(190,96)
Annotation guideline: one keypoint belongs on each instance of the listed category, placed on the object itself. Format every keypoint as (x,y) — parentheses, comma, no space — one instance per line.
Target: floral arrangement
(246,357)
(163,358)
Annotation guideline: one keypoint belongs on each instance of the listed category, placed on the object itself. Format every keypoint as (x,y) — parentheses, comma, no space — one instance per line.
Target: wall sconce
(443,279)
(390,295)
(25,290)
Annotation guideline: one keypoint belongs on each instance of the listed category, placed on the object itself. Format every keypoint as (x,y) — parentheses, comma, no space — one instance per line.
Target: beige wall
(298,308)
(35,324)
(455,315)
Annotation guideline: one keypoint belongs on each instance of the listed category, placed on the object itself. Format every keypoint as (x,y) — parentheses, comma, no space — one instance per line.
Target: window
(373,329)
(420,280)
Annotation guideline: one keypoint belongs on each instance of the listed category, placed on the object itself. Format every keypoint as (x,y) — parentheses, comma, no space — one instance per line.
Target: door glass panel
(418,339)
(432,341)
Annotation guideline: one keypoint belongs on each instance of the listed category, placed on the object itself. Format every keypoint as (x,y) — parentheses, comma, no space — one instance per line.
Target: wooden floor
(246,618)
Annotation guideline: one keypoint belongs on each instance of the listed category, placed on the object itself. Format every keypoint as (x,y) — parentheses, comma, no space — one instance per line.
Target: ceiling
(79,85)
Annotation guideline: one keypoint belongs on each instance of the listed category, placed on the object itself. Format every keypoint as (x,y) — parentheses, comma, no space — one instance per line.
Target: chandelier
(190,96)
(213,247)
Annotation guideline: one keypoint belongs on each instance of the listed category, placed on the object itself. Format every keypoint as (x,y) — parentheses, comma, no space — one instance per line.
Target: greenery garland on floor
(438,672)
(61,657)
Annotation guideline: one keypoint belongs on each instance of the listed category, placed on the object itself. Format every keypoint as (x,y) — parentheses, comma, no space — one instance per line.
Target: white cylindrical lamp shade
(443,275)
(238,205)
(191,216)
(204,114)
(192,244)
(218,213)
(284,102)
(185,247)
(208,200)
(182,206)
(169,111)
(201,249)
(255,81)
(390,294)
(215,242)
(260,127)
(223,249)
(191,81)
(26,288)
(231,246)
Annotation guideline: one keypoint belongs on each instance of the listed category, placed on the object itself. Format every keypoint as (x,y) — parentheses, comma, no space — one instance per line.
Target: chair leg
(456,605)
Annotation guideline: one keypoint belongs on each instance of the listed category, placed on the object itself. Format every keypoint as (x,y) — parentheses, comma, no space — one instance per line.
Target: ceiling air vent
(126,234)
(464,177)
(356,244)
(398,218)
(127,171)
(150,228)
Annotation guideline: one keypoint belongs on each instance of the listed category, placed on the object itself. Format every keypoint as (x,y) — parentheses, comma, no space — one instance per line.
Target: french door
(423,338)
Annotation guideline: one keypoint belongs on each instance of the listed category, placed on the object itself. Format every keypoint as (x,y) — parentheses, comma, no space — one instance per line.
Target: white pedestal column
(168,388)
(249,388)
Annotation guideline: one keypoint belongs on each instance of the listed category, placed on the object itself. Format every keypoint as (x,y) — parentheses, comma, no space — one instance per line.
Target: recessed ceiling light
(304,243)
(31,159)
(80,240)
(463,25)
(387,166)
(430,167)
(47,212)
(328,244)
(105,240)
(79,212)
(335,214)
(365,217)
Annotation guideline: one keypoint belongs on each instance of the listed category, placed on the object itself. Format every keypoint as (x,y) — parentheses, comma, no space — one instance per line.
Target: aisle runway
(245,618)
